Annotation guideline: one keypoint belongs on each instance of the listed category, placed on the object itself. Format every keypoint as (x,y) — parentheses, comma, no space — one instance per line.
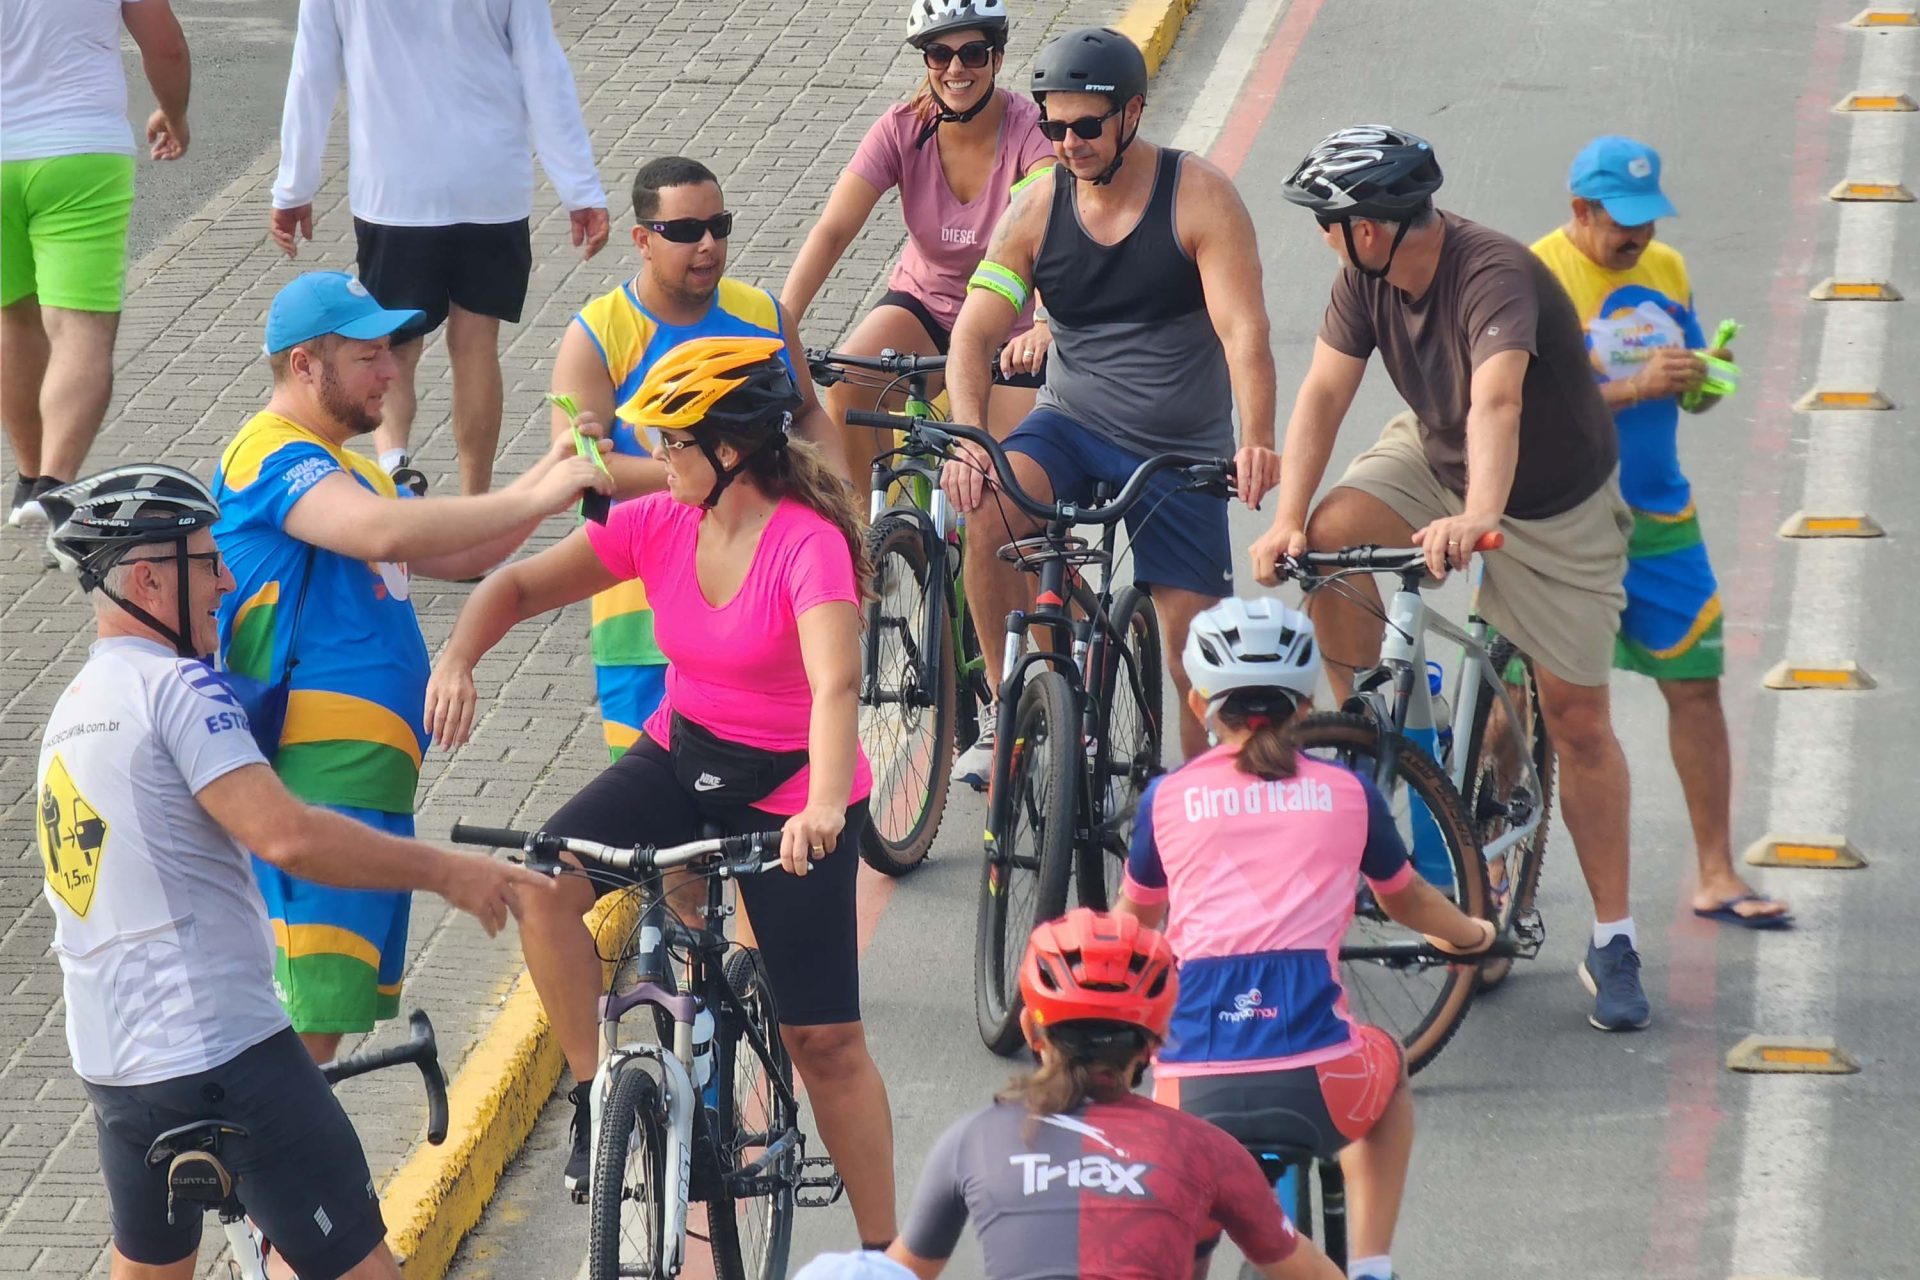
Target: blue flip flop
(1726,913)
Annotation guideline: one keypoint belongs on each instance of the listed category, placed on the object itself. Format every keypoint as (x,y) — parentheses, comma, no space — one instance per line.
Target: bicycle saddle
(201,1135)
(1276,1158)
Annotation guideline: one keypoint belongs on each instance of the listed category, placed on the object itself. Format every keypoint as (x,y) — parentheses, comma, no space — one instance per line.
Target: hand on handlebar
(1282,541)
(1451,541)
(486,888)
(809,836)
(967,476)
(1487,930)
(1027,352)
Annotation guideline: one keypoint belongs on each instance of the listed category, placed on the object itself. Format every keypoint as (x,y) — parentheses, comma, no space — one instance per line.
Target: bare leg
(403,399)
(1348,635)
(1697,736)
(323,1045)
(1376,1170)
(1007,408)
(473,346)
(24,352)
(1177,610)
(1593,786)
(994,587)
(565,968)
(883,329)
(77,388)
(850,1108)
(124,1268)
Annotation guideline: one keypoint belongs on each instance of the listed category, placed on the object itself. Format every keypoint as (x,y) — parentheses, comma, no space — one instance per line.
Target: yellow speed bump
(1833,289)
(1803,524)
(1819,852)
(1870,191)
(1792,1055)
(1824,399)
(1876,102)
(1837,675)
(1885,18)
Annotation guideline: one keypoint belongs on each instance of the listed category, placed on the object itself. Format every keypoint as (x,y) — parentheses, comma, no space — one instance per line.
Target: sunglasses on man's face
(1087,127)
(974,53)
(692,230)
(211,559)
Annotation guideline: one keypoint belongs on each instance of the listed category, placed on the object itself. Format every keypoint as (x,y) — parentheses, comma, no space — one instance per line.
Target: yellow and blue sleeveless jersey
(1627,314)
(354,731)
(630,339)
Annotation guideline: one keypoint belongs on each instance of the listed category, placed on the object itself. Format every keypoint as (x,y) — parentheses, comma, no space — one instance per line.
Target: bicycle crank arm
(752,1178)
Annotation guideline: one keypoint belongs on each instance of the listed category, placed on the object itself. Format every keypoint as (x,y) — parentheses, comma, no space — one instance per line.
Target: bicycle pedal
(579,1194)
(1531,931)
(808,1189)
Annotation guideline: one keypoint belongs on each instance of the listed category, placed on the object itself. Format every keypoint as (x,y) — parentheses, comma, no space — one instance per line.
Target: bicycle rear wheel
(625,1200)
(1499,799)
(1128,752)
(1029,851)
(1420,1003)
(752,1234)
(908,739)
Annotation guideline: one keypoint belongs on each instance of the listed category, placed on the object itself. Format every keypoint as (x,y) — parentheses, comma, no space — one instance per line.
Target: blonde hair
(1088,1062)
(798,469)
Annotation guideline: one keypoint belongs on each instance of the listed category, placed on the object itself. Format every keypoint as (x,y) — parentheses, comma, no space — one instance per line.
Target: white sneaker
(29,515)
(974,767)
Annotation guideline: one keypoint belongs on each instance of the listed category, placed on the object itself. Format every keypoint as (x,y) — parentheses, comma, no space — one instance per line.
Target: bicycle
(1079,739)
(1490,799)
(707,1113)
(923,678)
(1289,1171)
(198,1179)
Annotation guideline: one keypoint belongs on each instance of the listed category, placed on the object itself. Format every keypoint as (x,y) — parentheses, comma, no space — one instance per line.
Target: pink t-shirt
(735,669)
(945,238)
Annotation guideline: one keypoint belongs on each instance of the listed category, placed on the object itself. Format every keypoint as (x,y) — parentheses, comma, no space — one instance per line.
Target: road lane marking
(1791,1055)
(1858,524)
(1219,97)
(1833,289)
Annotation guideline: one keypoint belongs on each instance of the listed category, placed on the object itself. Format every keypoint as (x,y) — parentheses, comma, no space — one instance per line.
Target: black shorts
(942,336)
(302,1175)
(482,266)
(805,925)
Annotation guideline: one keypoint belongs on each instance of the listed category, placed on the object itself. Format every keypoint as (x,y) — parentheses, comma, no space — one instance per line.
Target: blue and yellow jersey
(1627,314)
(354,732)
(630,339)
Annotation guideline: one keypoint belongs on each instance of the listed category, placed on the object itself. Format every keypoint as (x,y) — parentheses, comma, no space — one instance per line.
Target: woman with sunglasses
(753,562)
(958,149)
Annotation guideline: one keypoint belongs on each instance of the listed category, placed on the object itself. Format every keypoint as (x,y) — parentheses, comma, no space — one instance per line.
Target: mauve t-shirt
(1489,294)
(945,238)
(736,669)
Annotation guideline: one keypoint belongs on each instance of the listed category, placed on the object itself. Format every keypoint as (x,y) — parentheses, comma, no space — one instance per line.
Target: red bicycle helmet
(1089,966)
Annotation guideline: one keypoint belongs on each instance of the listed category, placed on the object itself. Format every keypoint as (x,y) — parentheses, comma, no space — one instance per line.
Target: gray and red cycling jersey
(1124,1190)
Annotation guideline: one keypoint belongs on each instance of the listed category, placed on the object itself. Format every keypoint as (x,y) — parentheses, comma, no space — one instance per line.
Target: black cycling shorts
(302,1175)
(482,266)
(805,925)
(942,337)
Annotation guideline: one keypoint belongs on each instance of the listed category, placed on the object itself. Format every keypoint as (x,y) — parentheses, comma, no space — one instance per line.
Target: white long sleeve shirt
(447,103)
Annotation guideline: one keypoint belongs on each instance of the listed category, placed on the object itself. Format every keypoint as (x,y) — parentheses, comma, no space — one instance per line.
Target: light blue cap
(1624,176)
(323,302)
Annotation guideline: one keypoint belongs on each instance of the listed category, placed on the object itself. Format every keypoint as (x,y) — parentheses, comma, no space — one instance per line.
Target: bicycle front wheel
(1029,851)
(1419,1002)
(1128,753)
(752,1234)
(1501,797)
(906,734)
(626,1197)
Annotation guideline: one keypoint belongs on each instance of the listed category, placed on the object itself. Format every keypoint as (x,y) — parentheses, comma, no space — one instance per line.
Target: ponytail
(1270,753)
(797,469)
(1084,1062)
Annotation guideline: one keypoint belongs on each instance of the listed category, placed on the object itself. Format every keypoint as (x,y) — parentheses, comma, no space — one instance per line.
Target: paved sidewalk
(774,98)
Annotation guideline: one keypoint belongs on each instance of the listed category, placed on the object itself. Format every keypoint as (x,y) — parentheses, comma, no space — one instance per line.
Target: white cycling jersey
(158,924)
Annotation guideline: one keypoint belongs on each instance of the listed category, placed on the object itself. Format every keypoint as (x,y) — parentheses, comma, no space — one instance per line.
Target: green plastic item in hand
(593,506)
(1723,376)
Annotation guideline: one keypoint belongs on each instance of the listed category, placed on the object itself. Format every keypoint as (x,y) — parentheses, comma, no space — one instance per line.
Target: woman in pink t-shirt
(957,150)
(753,564)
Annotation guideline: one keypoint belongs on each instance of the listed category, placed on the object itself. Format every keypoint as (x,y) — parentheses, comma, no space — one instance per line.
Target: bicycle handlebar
(1204,473)
(829,368)
(1375,558)
(419,1050)
(731,855)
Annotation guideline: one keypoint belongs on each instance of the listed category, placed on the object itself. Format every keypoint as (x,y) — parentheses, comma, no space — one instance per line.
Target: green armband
(991,275)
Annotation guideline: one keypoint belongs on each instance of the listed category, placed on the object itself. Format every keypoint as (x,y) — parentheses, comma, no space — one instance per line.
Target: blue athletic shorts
(1178,539)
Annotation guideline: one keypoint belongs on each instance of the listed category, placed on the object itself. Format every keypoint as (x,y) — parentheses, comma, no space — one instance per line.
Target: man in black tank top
(1145,260)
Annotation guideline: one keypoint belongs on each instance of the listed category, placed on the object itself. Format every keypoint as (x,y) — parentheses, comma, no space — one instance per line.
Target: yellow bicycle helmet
(712,388)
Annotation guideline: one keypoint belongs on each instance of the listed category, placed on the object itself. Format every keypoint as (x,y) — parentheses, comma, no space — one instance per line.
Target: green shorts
(63,230)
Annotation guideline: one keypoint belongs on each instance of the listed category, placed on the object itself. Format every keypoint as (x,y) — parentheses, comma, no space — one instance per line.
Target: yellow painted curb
(1153,24)
(438,1195)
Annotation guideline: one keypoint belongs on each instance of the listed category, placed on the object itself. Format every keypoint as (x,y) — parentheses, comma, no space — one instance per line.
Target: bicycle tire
(628,1222)
(1490,812)
(1041,797)
(762,1254)
(1433,1014)
(1129,749)
(905,822)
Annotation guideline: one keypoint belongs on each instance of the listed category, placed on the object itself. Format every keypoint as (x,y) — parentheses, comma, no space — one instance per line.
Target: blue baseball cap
(1624,176)
(323,302)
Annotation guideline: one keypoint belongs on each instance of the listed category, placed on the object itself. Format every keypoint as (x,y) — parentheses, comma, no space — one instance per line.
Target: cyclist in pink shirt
(1250,854)
(957,150)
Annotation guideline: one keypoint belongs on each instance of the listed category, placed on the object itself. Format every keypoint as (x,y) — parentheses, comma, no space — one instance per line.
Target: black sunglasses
(1087,127)
(213,558)
(693,230)
(974,53)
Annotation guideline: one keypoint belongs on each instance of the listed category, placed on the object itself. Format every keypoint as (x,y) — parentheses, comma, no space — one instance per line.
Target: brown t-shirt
(1489,294)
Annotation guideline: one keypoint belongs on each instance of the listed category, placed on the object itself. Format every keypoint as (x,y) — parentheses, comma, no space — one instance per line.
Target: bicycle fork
(680,1100)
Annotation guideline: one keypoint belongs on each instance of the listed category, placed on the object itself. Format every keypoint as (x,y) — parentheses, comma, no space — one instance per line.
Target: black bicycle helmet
(98,520)
(1093,60)
(1370,171)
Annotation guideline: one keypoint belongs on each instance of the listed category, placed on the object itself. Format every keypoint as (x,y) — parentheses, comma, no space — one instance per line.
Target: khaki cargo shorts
(1556,589)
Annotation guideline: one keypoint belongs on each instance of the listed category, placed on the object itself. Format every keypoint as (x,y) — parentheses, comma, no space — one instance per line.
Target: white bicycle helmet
(1259,647)
(929,18)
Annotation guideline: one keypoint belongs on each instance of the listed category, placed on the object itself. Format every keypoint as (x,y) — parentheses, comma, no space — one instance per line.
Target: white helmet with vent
(1257,646)
(929,18)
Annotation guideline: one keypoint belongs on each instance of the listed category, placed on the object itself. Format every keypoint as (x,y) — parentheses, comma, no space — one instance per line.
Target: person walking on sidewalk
(447,101)
(1644,340)
(66,190)
(324,556)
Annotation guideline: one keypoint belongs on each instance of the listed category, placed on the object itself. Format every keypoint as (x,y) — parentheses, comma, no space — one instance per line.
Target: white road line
(1207,113)
(1784,1154)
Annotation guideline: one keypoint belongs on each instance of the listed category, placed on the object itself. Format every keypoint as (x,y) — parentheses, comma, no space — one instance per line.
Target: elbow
(291,846)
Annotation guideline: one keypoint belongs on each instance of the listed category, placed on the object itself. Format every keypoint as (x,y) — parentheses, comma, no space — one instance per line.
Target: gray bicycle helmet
(97,520)
(1093,60)
(929,18)
(1258,652)
(1370,171)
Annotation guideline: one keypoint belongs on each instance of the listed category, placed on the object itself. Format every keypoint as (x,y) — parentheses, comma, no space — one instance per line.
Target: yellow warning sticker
(73,838)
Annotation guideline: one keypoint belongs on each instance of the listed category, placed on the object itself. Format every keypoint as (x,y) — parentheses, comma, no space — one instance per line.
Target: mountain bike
(1462,809)
(923,679)
(199,1181)
(1079,731)
(706,1112)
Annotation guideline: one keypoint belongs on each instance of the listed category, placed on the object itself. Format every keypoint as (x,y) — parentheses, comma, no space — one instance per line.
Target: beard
(343,408)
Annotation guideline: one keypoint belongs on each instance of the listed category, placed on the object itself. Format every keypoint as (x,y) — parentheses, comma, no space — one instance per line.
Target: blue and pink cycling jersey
(1264,872)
